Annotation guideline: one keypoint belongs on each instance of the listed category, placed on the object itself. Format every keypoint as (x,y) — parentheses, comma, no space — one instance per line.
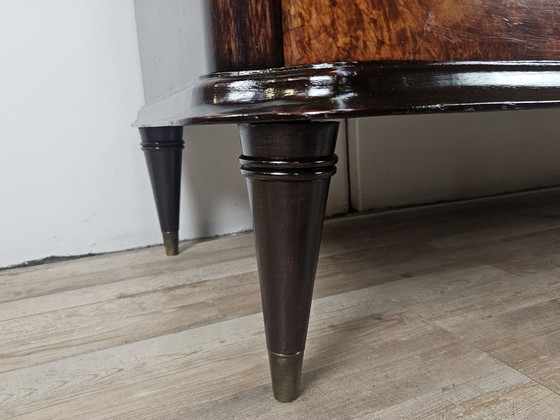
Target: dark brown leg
(163,148)
(288,168)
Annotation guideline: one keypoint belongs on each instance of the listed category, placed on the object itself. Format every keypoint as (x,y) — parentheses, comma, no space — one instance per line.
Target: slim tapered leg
(288,168)
(163,148)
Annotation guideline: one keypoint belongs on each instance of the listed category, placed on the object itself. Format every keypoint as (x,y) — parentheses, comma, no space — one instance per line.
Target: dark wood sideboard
(282,68)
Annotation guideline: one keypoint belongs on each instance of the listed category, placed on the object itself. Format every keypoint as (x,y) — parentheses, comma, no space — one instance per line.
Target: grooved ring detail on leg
(162,145)
(288,170)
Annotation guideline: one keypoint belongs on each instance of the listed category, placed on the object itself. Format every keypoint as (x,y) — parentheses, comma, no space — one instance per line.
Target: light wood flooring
(449,312)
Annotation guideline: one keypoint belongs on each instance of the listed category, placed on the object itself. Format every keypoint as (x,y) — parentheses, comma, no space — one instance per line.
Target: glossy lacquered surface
(318,31)
(358,89)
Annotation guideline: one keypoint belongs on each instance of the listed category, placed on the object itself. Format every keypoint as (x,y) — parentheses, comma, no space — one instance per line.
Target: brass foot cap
(285,370)
(171,243)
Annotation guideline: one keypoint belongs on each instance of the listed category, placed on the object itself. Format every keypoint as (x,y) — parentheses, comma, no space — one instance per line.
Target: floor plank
(447,312)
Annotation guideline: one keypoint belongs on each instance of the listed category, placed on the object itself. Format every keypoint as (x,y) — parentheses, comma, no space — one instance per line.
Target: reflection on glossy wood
(343,90)
(317,31)
(246,34)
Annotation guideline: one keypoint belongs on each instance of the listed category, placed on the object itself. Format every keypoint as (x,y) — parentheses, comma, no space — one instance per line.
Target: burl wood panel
(317,31)
(246,34)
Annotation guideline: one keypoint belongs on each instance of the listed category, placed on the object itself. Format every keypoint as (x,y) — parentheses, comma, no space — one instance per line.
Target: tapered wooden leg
(163,148)
(288,168)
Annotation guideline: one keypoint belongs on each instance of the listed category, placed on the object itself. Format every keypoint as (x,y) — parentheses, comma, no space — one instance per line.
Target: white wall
(173,43)
(72,179)
(398,161)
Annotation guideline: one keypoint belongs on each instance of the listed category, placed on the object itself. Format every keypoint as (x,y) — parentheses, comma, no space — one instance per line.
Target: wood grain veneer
(246,34)
(317,31)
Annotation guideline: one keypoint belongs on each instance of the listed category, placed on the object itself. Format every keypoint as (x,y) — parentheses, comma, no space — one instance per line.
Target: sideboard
(284,69)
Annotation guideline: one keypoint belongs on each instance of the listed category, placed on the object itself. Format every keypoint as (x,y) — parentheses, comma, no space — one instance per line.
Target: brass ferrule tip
(171,243)
(285,370)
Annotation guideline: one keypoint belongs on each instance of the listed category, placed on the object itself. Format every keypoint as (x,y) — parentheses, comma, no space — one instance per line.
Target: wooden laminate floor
(450,312)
